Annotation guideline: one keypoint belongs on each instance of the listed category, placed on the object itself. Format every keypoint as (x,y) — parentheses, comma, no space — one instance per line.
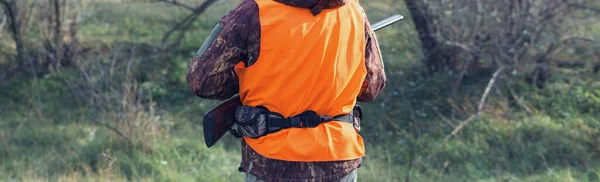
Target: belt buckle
(296,122)
(301,122)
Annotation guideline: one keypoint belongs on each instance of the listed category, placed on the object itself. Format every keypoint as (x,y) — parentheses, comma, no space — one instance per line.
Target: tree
(56,44)
(423,19)
(465,35)
(11,10)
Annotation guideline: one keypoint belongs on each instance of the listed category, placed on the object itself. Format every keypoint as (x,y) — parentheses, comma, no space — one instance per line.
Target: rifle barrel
(386,22)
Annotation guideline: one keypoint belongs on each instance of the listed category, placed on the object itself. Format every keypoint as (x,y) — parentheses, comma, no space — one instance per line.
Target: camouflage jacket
(237,38)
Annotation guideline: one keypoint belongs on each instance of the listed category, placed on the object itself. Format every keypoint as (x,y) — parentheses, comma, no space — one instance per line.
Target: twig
(487,89)
(411,157)
(174,2)
(117,131)
(391,122)
(466,47)
(460,126)
(481,104)
(448,121)
(479,19)
(2,24)
(501,51)
(588,39)
(516,98)
(581,6)
(184,25)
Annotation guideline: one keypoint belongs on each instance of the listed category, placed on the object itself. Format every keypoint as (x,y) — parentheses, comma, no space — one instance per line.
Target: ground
(47,133)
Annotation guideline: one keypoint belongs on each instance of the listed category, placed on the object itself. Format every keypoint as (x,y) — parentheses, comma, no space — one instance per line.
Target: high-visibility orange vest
(307,62)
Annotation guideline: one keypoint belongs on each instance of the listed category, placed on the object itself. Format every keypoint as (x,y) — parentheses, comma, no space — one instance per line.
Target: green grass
(53,140)
(51,151)
(47,133)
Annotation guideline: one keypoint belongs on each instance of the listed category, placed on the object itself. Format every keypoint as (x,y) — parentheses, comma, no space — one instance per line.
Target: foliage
(121,109)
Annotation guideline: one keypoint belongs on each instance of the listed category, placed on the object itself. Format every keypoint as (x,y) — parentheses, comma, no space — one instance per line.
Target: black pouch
(251,121)
(357,116)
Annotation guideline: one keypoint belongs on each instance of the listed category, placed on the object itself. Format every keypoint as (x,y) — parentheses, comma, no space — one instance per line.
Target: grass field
(47,133)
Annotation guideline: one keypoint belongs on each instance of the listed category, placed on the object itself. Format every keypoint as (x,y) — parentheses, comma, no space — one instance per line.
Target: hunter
(292,58)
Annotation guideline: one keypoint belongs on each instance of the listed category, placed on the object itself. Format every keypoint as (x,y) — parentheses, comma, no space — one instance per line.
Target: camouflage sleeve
(211,74)
(375,79)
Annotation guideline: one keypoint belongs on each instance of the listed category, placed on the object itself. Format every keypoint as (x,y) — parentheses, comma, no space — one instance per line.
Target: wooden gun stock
(219,120)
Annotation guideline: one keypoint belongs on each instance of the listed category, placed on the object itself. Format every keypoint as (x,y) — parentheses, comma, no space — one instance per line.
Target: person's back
(293,56)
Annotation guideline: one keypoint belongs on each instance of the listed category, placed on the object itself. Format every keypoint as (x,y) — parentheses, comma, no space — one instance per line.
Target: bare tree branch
(459,127)
(587,39)
(481,104)
(117,131)
(2,24)
(487,90)
(448,121)
(519,101)
(186,23)
(174,2)
(465,47)
(181,26)
(582,6)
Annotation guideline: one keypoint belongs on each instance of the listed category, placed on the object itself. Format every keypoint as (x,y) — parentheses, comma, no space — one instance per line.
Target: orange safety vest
(307,62)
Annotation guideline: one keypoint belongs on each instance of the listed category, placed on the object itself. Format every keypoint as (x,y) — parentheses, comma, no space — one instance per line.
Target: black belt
(308,119)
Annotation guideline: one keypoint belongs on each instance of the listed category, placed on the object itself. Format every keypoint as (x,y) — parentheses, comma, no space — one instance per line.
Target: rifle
(221,119)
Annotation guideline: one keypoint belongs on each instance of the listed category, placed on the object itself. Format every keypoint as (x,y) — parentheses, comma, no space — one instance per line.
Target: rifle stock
(221,119)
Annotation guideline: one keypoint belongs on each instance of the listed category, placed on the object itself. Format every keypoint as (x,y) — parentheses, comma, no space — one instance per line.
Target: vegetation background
(478,90)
